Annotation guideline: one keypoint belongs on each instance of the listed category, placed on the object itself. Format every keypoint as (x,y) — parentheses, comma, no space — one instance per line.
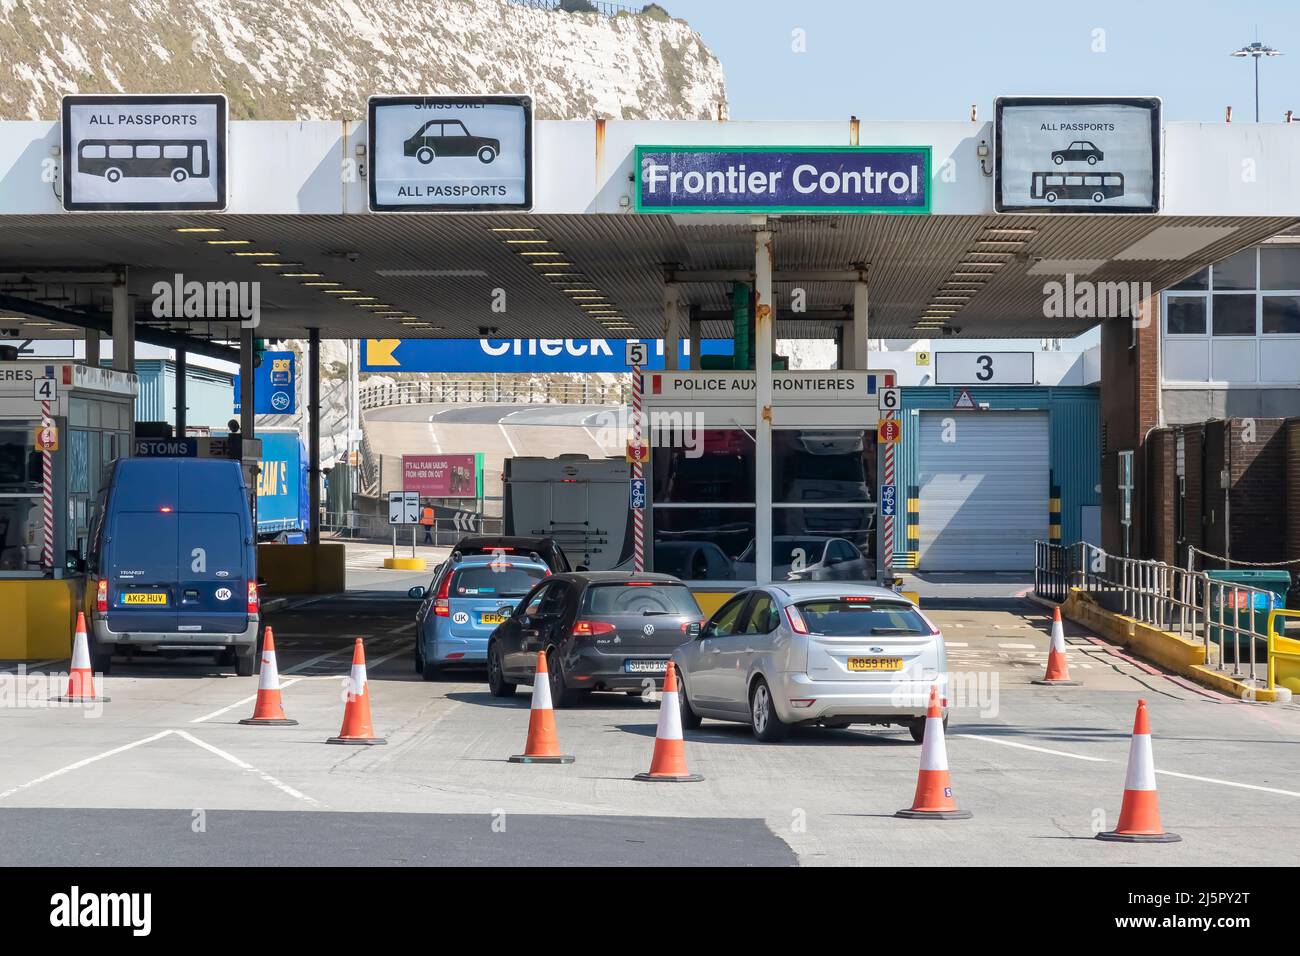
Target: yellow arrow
(380,352)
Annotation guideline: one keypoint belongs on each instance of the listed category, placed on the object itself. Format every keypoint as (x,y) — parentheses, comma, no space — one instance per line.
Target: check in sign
(840,179)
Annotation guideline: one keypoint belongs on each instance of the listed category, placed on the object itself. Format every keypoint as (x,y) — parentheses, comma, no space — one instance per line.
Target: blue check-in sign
(888,500)
(833,179)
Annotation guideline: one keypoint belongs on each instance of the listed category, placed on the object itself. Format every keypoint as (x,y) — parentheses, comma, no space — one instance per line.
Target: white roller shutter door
(984,494)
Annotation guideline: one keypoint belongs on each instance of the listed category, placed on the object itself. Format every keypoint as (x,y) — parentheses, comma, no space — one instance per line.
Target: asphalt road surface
(173,778)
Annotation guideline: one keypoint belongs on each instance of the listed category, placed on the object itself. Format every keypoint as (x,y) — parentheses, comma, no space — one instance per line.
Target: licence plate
(156,598)
(491,618)
(875,663)
(645,667)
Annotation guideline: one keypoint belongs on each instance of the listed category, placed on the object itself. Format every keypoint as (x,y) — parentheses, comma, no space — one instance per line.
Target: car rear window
(836,617)
(641,599)
(499,580)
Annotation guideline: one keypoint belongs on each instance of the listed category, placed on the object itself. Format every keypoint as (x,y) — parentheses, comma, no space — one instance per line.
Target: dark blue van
(172,562)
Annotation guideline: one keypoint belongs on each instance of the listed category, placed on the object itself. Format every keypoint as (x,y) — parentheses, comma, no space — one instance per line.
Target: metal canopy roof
(443,269)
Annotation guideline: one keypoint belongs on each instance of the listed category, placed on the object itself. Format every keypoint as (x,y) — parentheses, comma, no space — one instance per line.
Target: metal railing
(598,6)
(1229,619)
(494,391)
(359,526)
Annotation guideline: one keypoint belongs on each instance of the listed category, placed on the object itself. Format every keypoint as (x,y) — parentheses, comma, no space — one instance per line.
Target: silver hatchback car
(820,653)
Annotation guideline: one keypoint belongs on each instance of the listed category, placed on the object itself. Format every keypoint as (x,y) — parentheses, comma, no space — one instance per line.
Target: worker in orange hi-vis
(426,519)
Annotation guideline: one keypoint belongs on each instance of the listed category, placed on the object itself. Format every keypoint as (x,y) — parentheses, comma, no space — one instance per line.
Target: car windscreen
(494,581)
(649,598)
(836,617)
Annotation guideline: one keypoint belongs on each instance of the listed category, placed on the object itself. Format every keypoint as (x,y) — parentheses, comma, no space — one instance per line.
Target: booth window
(703,504)
(22,529)
(823,504)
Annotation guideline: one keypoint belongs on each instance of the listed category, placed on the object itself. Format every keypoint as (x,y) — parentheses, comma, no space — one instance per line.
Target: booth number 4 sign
(44,389)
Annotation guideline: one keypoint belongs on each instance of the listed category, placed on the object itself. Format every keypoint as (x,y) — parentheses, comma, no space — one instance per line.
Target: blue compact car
(468,597)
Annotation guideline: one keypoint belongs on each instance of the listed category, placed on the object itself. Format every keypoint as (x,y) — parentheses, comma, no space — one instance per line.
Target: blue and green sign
(778,179)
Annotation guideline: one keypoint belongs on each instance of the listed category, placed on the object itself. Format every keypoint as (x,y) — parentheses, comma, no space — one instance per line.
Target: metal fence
(495,391)
(1230,620)
(359,526)
(598,6)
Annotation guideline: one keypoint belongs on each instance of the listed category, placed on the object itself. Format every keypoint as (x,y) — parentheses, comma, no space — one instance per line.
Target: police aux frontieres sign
(833,179)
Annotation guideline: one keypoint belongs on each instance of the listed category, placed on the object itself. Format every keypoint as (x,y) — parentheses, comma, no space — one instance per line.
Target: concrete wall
(1184,406)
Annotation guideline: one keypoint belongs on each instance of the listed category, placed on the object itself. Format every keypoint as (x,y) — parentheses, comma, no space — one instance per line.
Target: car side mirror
(416,593)
(74,563)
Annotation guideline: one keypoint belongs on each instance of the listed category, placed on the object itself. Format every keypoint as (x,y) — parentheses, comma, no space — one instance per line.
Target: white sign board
(1078,154)
(984,368)
(635,353)
(145,152)
(891,399)
(403,507)
(788,388)
(44,389)
(450,153)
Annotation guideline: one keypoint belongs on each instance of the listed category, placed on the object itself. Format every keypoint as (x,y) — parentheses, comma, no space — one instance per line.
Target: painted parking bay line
(1041,750)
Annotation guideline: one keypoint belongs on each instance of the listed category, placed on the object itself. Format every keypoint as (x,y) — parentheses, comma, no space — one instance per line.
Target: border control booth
(45,513)
(711,500)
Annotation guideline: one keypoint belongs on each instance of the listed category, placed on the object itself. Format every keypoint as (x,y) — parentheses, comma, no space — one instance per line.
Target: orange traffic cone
(268,709)
(1139,815)
(543,744)
(1058,668)
(81,679)
(669,760)
(356,714)
(933,800)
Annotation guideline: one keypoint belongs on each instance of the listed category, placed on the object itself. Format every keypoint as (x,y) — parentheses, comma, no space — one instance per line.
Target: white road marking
(956,644)
(433,437)
(514,451)
(1017,647)
(31,666)
(240,703)
(1229,783)
(84,763)
(1041,750)
(593,438)
(242,765)
(403,629)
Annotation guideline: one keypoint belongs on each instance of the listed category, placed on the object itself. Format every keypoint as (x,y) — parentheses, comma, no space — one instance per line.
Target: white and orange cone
(933,799)
(1139,815)
(1058,668)
(669,760)
(81,678)
(543,743)
(357,728)
(268,709)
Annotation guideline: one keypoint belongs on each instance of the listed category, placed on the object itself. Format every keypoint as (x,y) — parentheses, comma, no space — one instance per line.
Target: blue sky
(931,59)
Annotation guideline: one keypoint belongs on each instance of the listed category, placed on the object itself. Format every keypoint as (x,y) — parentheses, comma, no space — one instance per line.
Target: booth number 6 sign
(890,399)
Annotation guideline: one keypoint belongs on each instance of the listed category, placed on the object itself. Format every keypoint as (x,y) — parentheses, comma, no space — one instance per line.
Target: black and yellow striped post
(913,523)
(1054,515)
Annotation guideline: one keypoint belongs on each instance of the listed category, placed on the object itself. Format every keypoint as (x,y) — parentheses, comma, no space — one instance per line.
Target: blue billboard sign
(274,388)
(516,355)
(839,179)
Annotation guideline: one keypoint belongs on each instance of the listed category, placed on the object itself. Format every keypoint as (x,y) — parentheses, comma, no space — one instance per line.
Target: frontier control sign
(758,179)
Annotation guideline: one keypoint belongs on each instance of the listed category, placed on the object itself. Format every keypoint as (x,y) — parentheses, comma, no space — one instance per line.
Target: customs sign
(833,179)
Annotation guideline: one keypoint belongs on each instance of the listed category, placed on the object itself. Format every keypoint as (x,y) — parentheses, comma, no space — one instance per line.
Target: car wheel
(431,670)
(1058,160)
(497,683)
(179,175)
(763,718)
(561,695)
(487,154)
(425,155)
(419,654)
(101,657)
(917,728)
(245,661)
(690,719)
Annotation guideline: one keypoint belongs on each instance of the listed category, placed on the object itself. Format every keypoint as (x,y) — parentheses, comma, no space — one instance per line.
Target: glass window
(1235,272)
(1185,315)
(838,617)
(176,152)
(704,544)
(707,466)
(93,151)
(641,599)
(1199,281)
(1279,267)
(22,533)
(121,151)
(823,465)
(1281,315)
(725,622)
(78,462)
(823,544)
(762,617)
(148,151)
(1234,315)
(20,462)
(488,581)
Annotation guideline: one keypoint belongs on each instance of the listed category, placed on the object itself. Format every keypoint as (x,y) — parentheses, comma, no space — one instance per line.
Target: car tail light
(441,604)
(857,599)
(253,602)
(640,584)
(592,628)
(796,620)
(101,596)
